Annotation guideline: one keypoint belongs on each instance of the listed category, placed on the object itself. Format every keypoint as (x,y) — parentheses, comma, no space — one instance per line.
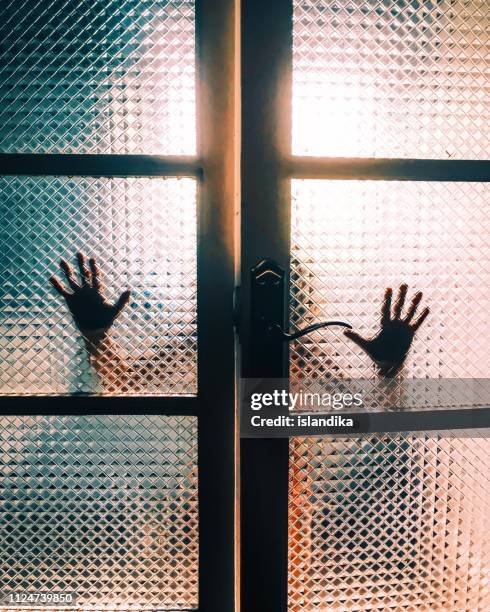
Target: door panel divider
(103,165)
(387,169)
(266,137)
(81,405)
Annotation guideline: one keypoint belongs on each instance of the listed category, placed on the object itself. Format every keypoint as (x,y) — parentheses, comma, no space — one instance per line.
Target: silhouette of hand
(389,347)
(92,313)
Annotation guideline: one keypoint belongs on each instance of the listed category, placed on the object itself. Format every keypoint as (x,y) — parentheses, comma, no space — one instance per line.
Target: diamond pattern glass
(374,78)
(143,233)
(389,523)
(101,506)
(106,76)
(352,239)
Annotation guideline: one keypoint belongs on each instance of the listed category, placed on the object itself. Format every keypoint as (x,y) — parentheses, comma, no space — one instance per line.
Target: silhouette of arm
(94,316)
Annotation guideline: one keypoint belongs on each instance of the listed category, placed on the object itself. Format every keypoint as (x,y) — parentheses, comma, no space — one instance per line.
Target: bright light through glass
(391,79)
(352,239)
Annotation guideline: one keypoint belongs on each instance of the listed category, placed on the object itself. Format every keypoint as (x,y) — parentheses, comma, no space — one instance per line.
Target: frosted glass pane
(106,76)
(101,506)
(143,233)
(352,239)
(391,79)
(389,523)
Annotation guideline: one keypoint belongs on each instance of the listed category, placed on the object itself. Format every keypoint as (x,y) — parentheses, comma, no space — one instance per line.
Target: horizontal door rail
(467,420)
(99,165)
(83,405)
(339,168)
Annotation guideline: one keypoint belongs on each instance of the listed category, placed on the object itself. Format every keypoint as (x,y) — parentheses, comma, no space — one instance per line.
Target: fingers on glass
(55,281)
(386,307)
(400,301)
(416,324)
(121,302)
(94,268)
(69,274)
(413,306)
(84,272)
(88,276)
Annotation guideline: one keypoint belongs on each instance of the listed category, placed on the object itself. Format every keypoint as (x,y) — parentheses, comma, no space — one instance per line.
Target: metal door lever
(276,328)
(268,320)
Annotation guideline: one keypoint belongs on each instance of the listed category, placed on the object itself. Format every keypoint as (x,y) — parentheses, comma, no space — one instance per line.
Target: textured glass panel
(382,523)
(351,239)
(391,79)
(143,233)
(106,76)
(104,506)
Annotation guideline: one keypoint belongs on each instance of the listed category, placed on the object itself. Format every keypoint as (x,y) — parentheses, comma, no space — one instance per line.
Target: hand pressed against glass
(390,346)
(92,313)
(94,316)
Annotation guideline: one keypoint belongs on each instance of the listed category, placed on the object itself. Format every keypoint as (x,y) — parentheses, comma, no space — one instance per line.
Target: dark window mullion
(82,405)
(99,165)
(343,168)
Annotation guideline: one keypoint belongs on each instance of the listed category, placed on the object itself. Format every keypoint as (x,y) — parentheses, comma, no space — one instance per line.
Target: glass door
(365,166)
(115,439)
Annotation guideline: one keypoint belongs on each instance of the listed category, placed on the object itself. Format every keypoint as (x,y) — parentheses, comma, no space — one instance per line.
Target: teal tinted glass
(106,76)
(143,233)
(101,507)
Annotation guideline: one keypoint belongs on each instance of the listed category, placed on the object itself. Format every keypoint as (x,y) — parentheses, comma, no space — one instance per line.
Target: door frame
(216,174)
(268,166)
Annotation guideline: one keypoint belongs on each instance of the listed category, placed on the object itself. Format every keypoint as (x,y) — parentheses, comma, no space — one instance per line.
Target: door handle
(268,311)
(274,328)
